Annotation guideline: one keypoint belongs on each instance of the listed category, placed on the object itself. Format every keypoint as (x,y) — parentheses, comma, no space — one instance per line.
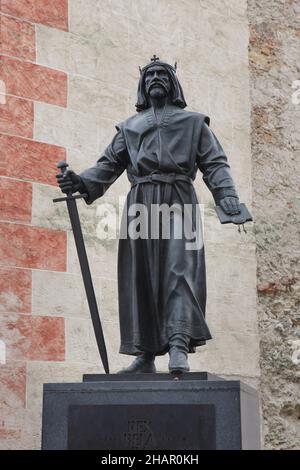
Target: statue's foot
(178,362)
(178,353)
(142,364)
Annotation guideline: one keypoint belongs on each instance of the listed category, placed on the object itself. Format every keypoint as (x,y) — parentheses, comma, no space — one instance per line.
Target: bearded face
(157,82)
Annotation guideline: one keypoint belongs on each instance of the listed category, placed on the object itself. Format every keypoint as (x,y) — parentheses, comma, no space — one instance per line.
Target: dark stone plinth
(148,377)
(117,411)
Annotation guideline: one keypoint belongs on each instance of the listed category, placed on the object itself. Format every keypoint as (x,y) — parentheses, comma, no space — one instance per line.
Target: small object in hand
(237,219)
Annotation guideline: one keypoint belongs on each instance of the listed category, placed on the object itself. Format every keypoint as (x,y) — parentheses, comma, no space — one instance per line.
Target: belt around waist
(170,178)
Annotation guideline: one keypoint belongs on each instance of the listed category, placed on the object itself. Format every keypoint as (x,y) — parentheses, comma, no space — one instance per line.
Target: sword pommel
(62,165)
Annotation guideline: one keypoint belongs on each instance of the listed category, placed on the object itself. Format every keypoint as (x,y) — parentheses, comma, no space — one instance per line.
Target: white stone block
(102,256)
(228,34)
(65,127)
(55,293)
(97,99)
(46,213)
(228,353)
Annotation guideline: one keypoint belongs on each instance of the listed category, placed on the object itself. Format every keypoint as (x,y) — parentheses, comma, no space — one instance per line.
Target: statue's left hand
(230,205)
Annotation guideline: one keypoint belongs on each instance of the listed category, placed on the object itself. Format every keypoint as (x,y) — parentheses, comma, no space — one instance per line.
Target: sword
(84,265)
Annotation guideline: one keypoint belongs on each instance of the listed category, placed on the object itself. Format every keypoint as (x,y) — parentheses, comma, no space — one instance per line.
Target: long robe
(161,284)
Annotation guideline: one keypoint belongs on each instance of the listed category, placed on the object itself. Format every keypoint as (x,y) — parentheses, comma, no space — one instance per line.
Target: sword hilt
(70,198)
(63,165)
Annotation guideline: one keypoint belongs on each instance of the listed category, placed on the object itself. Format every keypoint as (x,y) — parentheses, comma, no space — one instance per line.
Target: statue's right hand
(69,181)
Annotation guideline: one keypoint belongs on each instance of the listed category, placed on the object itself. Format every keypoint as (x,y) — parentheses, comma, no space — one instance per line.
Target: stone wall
(71,70)
(274,65)
(29,336)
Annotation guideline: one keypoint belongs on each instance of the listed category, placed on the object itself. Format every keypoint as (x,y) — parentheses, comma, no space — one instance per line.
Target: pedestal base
(150,411)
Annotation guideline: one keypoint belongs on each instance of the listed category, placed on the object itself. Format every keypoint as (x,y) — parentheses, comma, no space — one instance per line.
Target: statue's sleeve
(212,162)
(109,167)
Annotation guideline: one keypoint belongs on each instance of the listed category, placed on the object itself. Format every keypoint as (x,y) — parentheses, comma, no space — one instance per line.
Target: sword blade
(87,280)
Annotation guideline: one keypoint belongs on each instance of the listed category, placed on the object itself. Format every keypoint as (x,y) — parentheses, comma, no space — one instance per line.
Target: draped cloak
(161,284)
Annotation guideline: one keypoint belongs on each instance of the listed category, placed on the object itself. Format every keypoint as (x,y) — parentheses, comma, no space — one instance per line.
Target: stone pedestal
(150,411)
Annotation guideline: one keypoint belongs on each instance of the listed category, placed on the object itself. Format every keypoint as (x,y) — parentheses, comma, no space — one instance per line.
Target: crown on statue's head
(154,58)
(156,61)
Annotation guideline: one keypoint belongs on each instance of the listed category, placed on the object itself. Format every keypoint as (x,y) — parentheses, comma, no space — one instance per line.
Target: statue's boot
(178,352)
(143,363)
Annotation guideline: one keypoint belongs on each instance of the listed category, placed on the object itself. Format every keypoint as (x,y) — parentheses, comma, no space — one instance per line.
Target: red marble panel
(15,290)
(13,385)
(33,338)
(29,160)
(16,117)
(32,247)
(33,81)
(49,12)
(15,200)
(17,38)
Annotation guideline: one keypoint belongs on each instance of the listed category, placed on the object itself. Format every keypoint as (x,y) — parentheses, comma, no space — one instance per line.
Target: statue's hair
(177,97)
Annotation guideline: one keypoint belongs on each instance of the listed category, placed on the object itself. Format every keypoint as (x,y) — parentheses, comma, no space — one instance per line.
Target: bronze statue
(162,285)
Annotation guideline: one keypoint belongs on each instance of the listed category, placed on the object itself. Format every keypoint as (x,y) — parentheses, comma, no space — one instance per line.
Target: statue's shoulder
(132,121)
(194,116)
